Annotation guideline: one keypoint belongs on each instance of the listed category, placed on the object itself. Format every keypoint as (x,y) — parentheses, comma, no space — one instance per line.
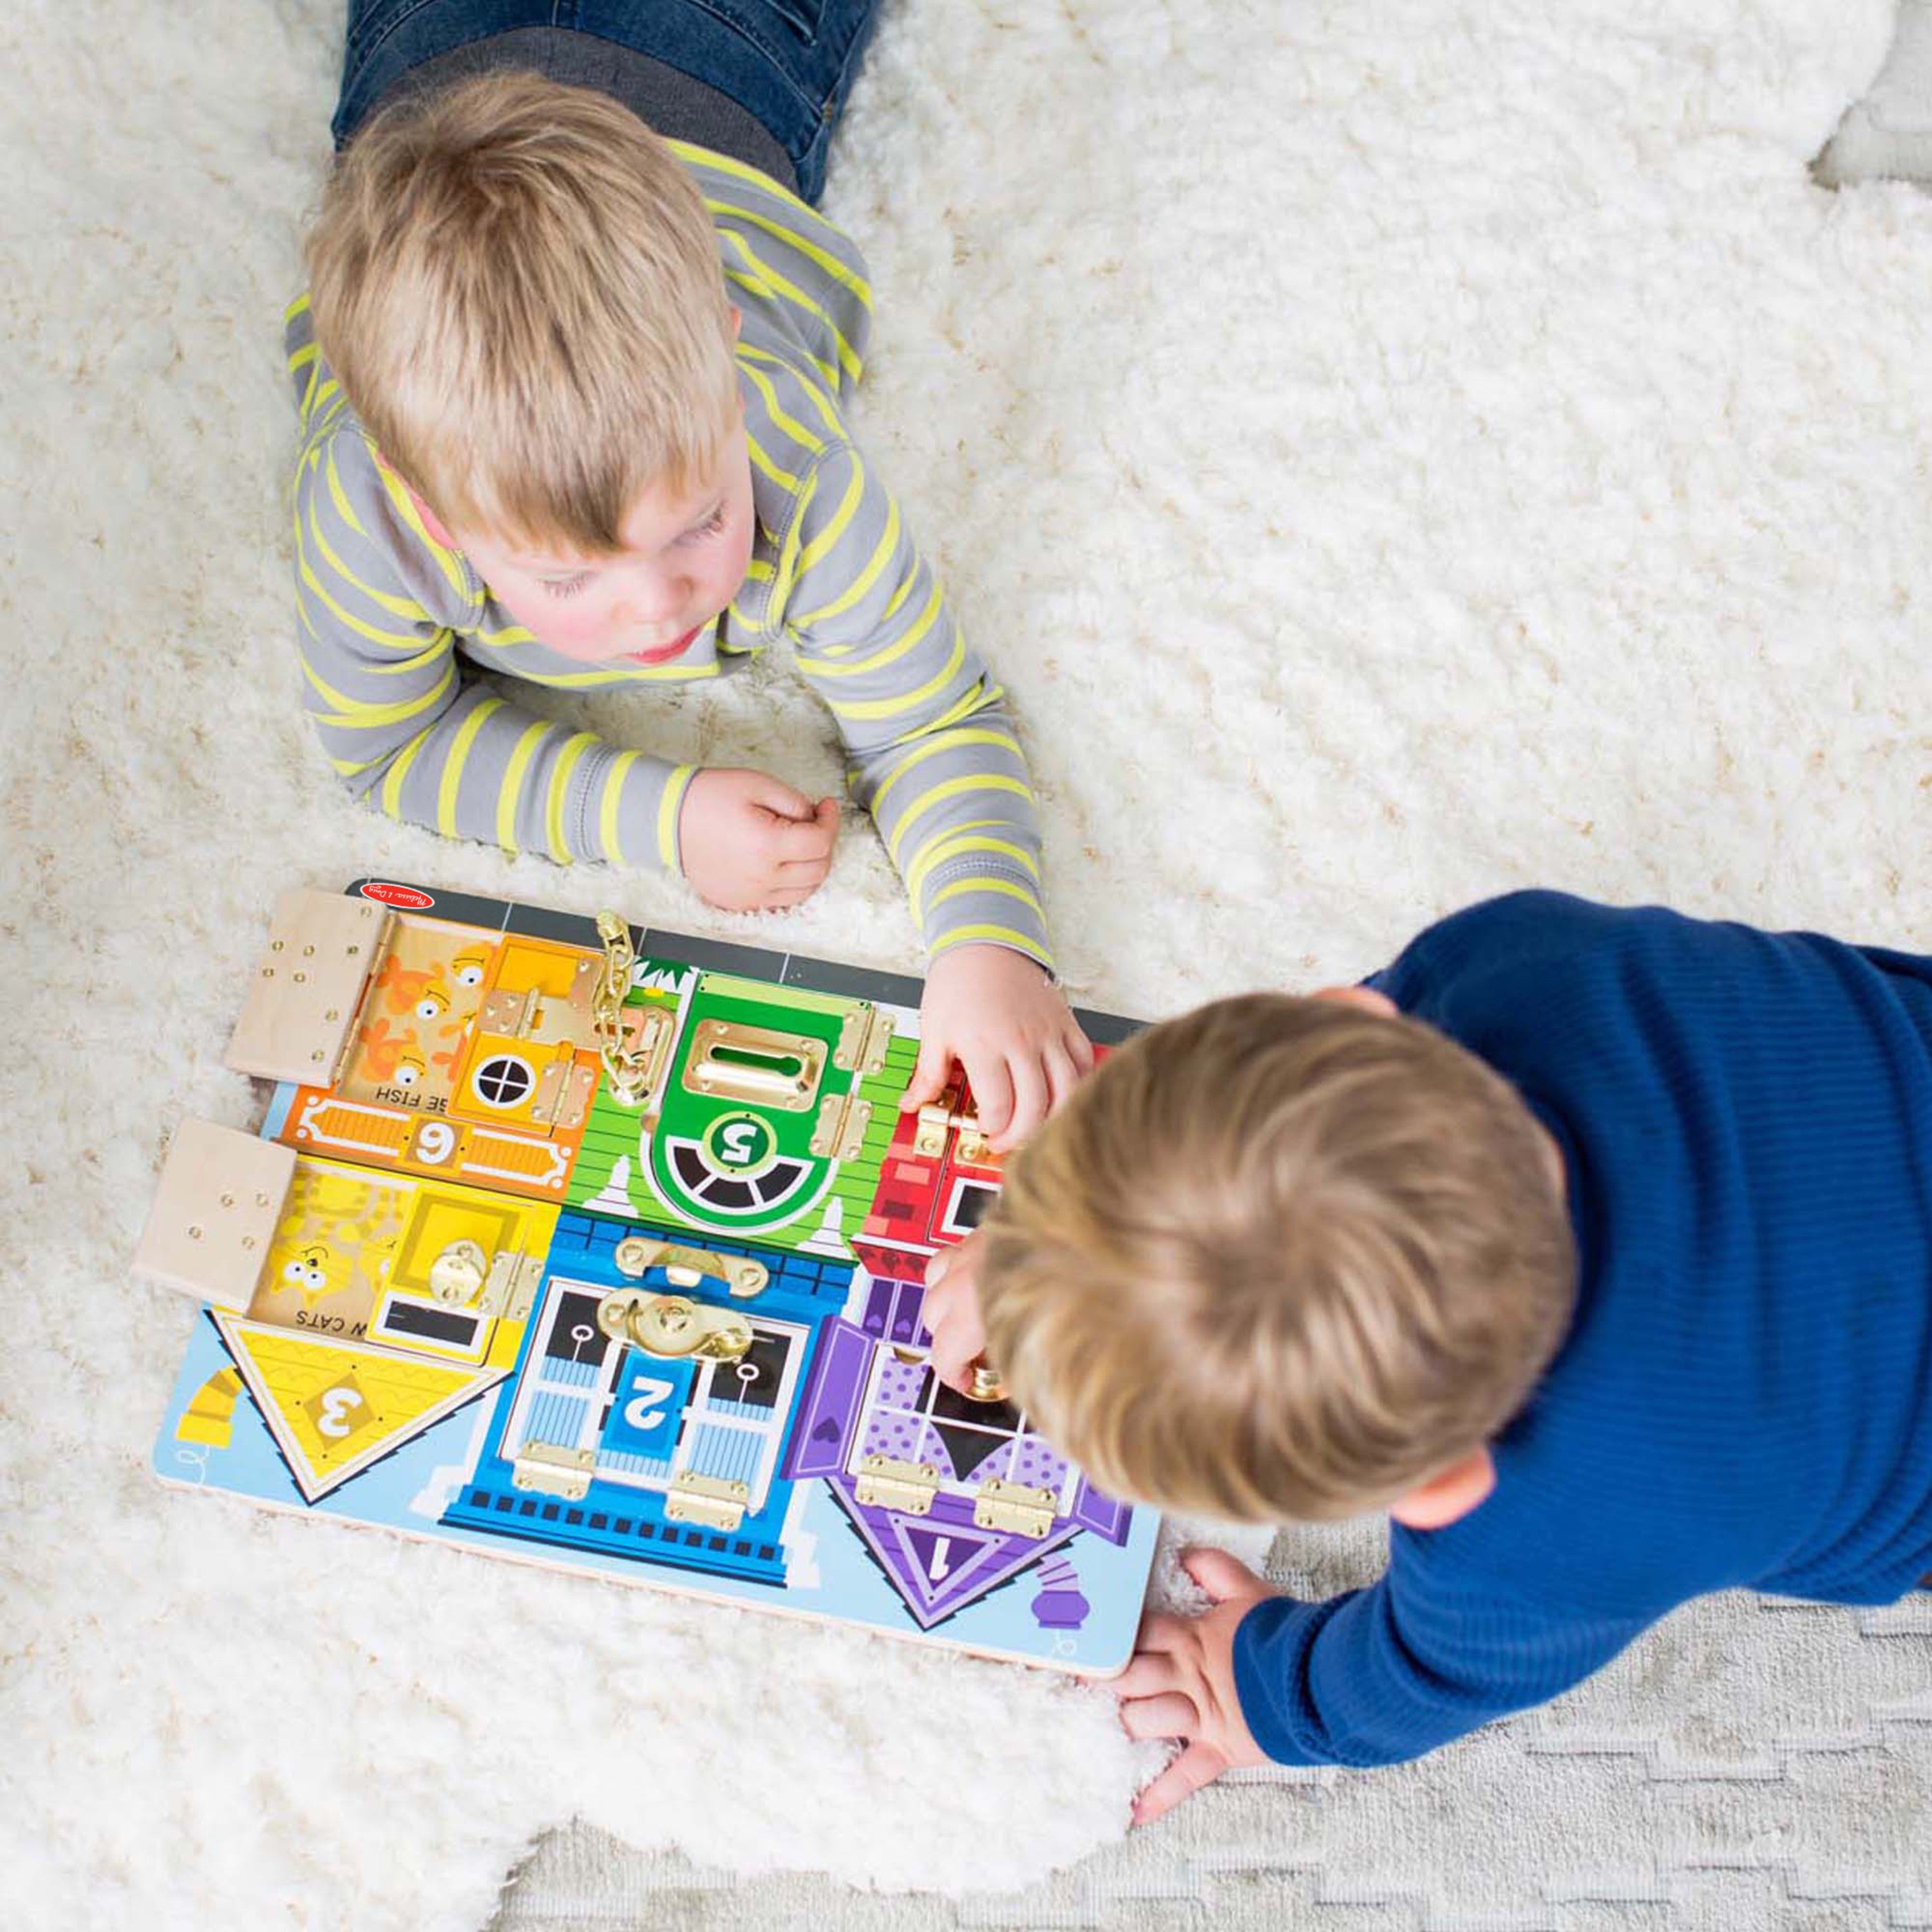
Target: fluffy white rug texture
(1394,451)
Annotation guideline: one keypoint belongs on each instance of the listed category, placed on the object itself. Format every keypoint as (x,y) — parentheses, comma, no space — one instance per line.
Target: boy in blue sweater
(1594,1246)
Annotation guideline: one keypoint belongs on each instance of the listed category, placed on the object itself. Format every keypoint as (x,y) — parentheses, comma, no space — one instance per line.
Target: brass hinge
(577,1096)
(552,1471)
(1015,1507)
(509,1014)
(864,1034)
(886,1482)
(714,1502)
(511,1289)
(840,1134)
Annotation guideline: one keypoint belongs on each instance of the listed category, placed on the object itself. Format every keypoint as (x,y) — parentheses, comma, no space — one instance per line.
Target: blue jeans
(789,64)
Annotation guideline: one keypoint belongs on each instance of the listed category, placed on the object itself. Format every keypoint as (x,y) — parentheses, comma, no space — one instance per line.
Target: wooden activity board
(605,1249)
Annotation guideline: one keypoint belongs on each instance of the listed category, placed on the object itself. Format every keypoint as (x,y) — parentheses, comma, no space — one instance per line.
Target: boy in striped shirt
(572,408)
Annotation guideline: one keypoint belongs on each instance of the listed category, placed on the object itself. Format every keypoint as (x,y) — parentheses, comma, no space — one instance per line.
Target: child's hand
(750,843)
(1181,1685)
(996,1012)
(951,1313)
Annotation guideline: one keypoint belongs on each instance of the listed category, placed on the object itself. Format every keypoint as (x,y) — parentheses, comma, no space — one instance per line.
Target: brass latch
(986,1385)
(886,1482)
(937,1118)
(673,1326)
(457,1276)
(638,1254)
(713,1502)
(758,1065)
(1015,1507)
(552,1471)
(840,1134)
(864,1034)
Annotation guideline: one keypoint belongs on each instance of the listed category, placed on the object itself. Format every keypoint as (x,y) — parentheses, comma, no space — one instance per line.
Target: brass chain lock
(628,1068)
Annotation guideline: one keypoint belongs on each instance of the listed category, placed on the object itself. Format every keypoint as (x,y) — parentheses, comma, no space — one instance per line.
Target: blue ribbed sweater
(1744,1394)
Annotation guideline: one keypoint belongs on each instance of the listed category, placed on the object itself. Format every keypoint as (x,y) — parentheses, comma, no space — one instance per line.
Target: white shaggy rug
(1394,450)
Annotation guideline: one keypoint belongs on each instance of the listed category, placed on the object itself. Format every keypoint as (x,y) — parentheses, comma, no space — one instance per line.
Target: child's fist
(750,843)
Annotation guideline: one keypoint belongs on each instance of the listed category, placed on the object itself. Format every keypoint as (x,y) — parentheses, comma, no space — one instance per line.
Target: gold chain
(629,1067)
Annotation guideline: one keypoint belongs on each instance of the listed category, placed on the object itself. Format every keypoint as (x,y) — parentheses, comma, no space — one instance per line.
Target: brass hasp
(673,1327)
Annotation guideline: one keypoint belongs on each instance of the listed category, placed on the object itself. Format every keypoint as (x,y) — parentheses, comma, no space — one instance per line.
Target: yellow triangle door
(335,1407)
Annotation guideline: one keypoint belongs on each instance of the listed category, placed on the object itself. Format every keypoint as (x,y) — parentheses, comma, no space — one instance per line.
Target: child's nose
(656,602)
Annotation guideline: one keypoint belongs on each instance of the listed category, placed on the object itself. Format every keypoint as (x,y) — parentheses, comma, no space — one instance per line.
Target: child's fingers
(774,796)
(803,871)
(1151,1673)
(934,1312)
(959,1344)
(1199,1764)
(1080,1048)
(1062,1075)
(808,838)
(782,896)
(992,1095)
(1030,1102)
(1161,1632)
(936,1308)
(1220,1575)
(1171,1714)
(929,1075)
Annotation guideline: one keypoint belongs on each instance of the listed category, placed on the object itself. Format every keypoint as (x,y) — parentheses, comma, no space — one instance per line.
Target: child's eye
(711,526)
(566,586)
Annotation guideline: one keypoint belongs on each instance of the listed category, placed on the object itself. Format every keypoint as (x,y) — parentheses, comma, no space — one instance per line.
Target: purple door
(828,1413)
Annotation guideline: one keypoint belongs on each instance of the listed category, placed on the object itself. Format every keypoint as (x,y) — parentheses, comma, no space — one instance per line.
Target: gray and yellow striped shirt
(388,617)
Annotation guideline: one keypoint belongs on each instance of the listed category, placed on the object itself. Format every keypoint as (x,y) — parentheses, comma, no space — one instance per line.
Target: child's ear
(1453,1494)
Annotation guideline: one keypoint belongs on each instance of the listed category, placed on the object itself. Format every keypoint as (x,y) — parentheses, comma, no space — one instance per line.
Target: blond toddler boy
(1594,1246)
(573,403)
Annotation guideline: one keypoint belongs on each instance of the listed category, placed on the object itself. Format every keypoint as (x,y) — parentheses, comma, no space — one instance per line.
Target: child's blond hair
(1279,1258)
(519,289)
